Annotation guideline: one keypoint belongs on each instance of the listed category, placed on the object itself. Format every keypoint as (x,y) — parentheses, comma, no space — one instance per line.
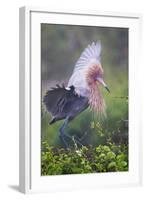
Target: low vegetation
(103,158)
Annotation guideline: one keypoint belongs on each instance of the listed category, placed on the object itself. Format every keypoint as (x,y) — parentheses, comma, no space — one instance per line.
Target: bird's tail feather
(52,98)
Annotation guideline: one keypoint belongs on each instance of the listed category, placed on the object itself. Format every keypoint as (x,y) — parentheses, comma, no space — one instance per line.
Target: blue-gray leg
(62,133)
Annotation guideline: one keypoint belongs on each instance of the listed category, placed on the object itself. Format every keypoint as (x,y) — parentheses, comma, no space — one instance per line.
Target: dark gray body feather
(62,103)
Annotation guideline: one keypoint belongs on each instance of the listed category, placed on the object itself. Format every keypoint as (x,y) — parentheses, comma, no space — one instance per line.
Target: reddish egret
(82,90)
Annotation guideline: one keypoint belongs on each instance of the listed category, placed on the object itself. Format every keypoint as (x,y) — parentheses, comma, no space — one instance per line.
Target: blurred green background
(61,46)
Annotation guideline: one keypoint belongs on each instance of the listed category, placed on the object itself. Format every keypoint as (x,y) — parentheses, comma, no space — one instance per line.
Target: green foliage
(103,158)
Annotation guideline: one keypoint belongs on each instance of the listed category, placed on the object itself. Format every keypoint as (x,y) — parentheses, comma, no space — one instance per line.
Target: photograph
(84,99)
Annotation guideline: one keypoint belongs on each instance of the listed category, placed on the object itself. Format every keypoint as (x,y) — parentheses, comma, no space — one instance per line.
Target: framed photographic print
(79,100)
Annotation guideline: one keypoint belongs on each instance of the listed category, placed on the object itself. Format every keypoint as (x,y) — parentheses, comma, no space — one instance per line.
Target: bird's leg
(62,133)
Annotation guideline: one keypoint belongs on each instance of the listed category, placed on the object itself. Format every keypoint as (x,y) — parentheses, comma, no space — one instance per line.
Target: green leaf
(111,155)
(112,166)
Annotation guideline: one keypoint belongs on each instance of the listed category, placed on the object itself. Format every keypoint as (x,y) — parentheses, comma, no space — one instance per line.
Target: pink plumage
(87,75)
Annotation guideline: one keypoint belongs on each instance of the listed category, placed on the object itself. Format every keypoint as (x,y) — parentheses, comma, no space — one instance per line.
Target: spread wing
(62,103)
(91,55)
(56,98)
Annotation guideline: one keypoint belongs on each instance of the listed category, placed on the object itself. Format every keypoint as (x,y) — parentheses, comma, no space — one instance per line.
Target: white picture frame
(30,178)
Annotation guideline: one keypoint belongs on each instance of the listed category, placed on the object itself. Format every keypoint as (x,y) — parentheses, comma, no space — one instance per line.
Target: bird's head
(94,78)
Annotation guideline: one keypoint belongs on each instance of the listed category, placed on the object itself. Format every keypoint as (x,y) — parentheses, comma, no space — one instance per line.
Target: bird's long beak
(101,81)
(106,87)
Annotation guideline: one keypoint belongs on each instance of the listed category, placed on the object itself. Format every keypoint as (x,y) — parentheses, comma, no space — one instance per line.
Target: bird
(82,90)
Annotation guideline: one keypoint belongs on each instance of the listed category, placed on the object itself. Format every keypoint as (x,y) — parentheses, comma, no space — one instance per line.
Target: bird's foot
(76,142)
